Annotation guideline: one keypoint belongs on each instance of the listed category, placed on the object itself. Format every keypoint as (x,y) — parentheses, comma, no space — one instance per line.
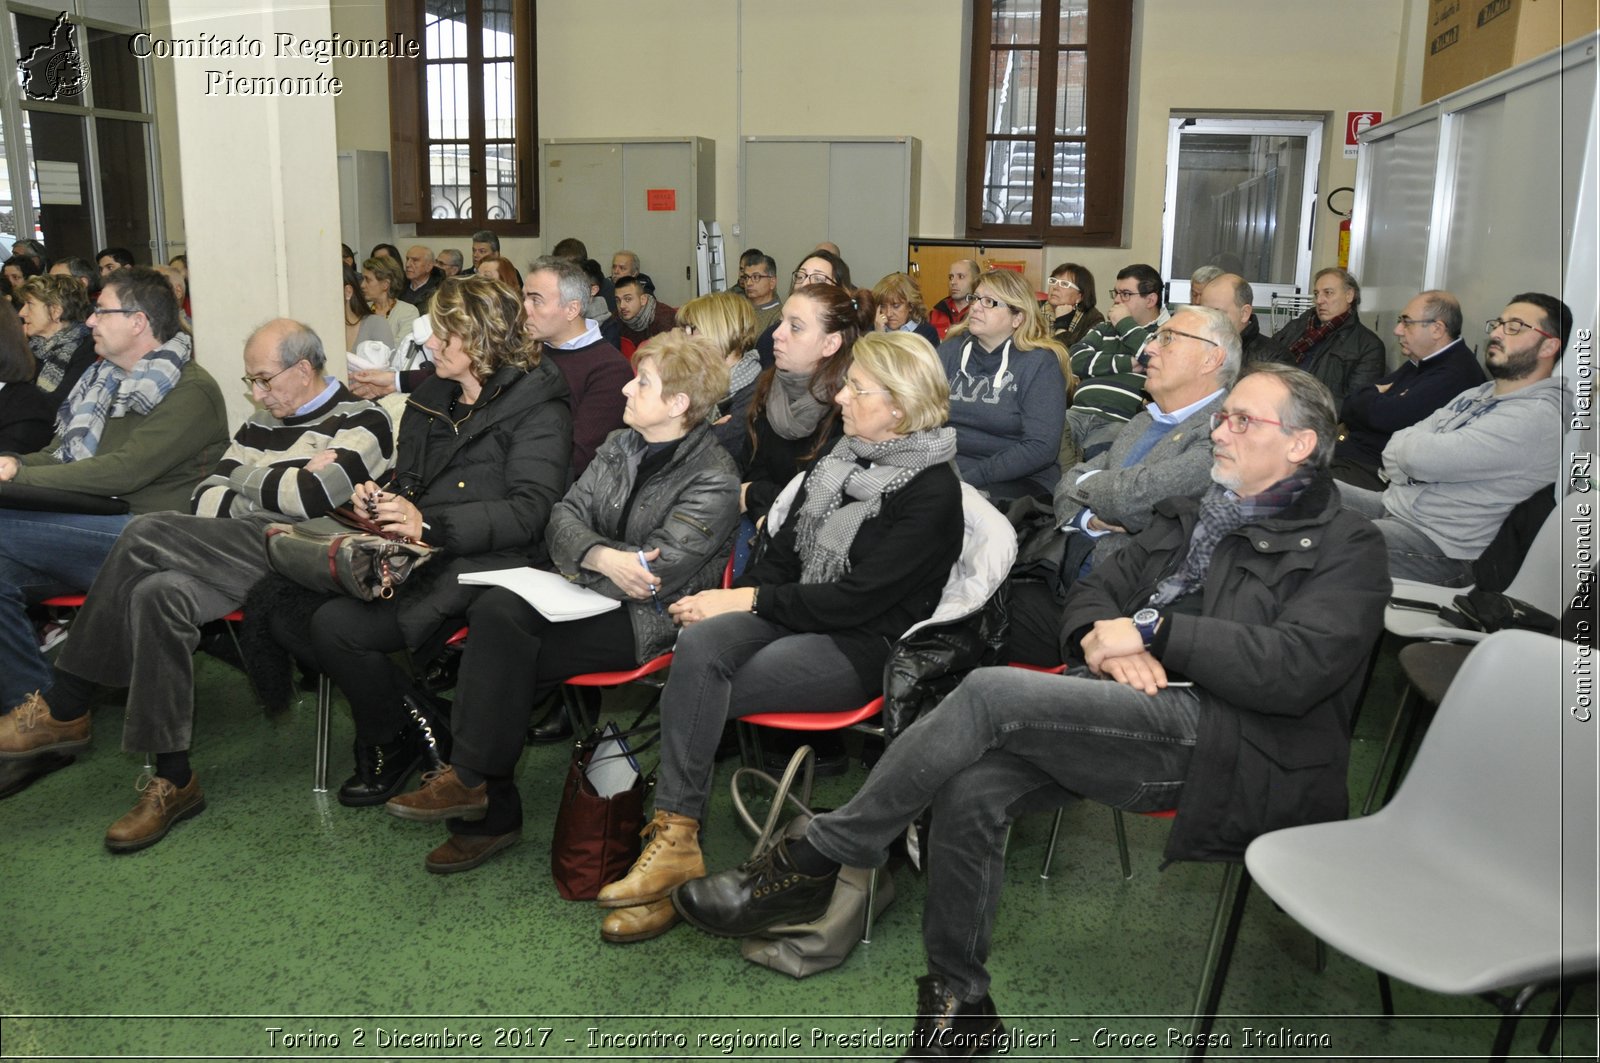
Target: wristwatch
(1148,622)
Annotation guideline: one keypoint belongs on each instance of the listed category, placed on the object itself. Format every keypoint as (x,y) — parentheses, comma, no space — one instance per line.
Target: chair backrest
(1506,768)
(1538,579)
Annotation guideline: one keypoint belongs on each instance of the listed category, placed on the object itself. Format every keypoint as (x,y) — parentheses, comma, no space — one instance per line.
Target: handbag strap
(804,759)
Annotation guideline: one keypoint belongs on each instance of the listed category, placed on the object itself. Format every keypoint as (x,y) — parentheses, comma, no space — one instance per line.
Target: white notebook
(553,595)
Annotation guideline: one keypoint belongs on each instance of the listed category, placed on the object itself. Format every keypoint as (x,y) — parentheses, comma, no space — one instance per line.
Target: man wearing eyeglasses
(758,276)
(1106,361)
(1438,366)
(1221,651)
(1454,476)
(297,457)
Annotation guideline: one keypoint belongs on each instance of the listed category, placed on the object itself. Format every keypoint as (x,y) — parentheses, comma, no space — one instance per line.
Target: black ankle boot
(381,770)
(430,728)
(554,726)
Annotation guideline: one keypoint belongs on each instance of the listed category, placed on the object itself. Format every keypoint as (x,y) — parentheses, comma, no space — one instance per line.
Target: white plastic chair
(1479,876)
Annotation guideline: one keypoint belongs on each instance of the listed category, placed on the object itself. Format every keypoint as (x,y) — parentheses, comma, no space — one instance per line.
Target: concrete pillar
(260,181)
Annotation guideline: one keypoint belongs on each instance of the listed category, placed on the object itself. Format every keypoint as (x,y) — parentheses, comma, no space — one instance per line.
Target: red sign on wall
(661,199)
(1356,122)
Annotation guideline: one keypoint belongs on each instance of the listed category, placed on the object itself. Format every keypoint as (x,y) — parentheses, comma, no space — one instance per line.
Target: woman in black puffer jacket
(482,457)
(649,521)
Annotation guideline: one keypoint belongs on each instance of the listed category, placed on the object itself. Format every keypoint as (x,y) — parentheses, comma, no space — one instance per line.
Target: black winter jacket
(688,510)
(485,481)
(1351,358)
(1290,610)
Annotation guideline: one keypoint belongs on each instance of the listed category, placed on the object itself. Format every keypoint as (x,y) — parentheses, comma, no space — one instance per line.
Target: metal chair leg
(1401,713)
(1322,955)
(319,779)
(1385,994)
(1122,842)
(1219,952)
(872,903)
(1558,1008)
(1050,850)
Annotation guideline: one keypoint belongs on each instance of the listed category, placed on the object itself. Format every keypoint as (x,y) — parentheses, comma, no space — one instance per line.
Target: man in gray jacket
(1164,450)
(1455,475)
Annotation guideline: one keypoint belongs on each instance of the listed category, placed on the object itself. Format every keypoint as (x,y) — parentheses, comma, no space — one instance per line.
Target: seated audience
(1071,297)
(82,271)
(55,312)
(952,309)
(729,323)
(111,259)
(1438,366)
(1110,383)
(382,283)
(361,325)
(484,244)
(1455,475)
(35,250)
(482,456)
(143,425)
(347,256)
(422,278)
(758,277)
(499,268)
(862,555)
(1008,392)
(819,267)
(1329,341)
(297,457)
(648,523)
(1263,597)
(793,419)
(450,262)
(1232,294)
(554,294)
(27,414)
(640,313)
(180,290)
(13,273)
(574,250)
(624,264)
(1199,280)
(900,307)
(1163,452)
(386,251)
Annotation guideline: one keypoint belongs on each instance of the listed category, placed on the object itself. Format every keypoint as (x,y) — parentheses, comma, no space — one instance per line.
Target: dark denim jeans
(1004,743)
(41,555)
(1412,553)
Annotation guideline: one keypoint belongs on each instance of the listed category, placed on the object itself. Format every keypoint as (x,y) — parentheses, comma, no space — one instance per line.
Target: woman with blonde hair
(901,309)
(382,281)
(1008,390)
(728,321)
(862,554)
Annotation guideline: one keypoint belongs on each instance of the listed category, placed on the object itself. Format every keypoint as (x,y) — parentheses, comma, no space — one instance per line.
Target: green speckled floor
(277,908)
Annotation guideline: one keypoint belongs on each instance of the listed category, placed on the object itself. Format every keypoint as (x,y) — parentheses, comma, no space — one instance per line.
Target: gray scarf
(646,316)
(827,523)
(107,391)
(55,353)
(793,410)
(744,372)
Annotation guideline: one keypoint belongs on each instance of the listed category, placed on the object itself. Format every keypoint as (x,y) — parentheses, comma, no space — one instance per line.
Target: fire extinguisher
(1344,226)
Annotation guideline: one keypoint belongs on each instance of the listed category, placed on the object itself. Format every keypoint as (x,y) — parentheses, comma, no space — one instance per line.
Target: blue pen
(653,596)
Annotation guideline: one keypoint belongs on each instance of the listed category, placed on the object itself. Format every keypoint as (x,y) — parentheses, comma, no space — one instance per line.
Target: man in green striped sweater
(297,457)
(1107,364)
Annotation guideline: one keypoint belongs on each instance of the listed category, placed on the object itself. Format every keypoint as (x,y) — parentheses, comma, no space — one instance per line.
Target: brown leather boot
(161,805)
(29,730)
(671,856)
(623,925)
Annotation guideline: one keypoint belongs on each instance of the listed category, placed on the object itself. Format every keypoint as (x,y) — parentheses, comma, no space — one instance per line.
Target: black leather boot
(555,726)
(381,770)
(948,1028)
(430,729)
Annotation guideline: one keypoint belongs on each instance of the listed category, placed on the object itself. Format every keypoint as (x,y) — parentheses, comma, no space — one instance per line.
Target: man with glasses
(1106,361)
(952,310)
(1438,366)
(134,436)
(1221,651)
(1165,450)
(297,457)
(1455,476)
(758,276)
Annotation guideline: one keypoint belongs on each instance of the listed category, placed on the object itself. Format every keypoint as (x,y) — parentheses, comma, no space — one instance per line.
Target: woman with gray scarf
(55,310)
(862,554)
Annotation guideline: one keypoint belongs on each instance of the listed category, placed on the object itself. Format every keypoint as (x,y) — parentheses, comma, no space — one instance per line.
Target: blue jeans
(1006,742)
(1413,554)
(42,555)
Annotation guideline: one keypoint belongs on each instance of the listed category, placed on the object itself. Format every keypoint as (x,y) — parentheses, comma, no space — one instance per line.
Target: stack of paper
(551,594)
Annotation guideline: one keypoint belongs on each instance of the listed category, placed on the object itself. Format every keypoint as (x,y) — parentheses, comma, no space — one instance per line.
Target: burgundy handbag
(596,838)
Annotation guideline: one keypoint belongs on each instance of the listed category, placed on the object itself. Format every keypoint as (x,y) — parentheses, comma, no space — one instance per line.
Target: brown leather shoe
(29,730)
(671,856)
(441,796)
(463,852)
(161,805)
(624,925)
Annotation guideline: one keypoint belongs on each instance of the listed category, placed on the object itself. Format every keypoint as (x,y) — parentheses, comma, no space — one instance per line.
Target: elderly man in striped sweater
(297,457)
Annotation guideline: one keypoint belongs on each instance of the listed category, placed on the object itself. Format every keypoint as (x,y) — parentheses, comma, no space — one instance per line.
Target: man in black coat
(1222,654)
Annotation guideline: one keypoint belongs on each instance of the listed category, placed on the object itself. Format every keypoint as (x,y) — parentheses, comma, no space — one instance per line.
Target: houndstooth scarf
(55,353)
(828,524)
(743,373)
(106,390)
(1222,512)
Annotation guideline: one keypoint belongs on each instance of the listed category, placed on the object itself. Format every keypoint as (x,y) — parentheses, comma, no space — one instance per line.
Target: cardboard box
(1468,40)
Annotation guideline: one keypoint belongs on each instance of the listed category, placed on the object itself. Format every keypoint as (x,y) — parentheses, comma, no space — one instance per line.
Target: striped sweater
(1106,362)
(263,470)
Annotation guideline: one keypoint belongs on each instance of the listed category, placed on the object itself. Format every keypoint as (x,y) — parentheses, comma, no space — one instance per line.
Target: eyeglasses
(1119,295)
(1163,338)
(994,304)
(861,392)
(800,277)
(1239,423)
(113,310)
(1513,327)
(746,278)
(253,382)
(1407,322)
(689,330)
(1058,282)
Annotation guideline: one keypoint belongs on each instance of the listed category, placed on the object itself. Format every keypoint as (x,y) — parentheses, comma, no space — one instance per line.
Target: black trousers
(1035,634)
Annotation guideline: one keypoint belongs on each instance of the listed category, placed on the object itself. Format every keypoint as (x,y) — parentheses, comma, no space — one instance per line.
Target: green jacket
(152,460)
